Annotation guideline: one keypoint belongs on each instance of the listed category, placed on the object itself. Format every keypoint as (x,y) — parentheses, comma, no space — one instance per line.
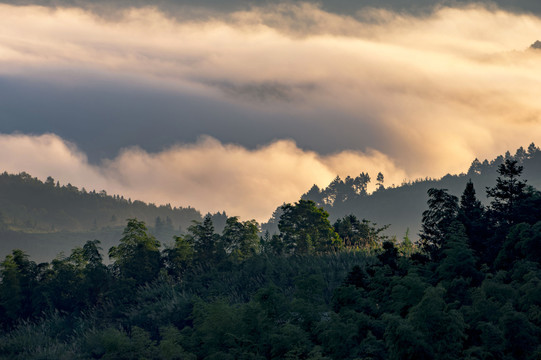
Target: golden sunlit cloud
(208,175)
(426,94)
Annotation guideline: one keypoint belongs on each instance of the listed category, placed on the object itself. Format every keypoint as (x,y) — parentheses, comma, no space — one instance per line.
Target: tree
(313,194)
(203,239)
(305,228)
(406,247)
(95,272)
(521,155)
(16,272)
(475,167)
(179,257)
(79,280)
(440,327)
(358,234)
(532,150)
(442,211)
(472,215)
(272,225)
(336,192)
(389,255)
(138,255)
(360,183)
(507,194)
(520,334)
(458,259)
(356,277)
(49,182)
(470,206)
(522,242)
(240,239)
(380,180)
(404,341)
(64,284)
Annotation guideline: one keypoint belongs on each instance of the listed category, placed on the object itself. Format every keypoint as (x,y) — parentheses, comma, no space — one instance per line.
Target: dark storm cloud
(265,91)
(201,9)
(107,114)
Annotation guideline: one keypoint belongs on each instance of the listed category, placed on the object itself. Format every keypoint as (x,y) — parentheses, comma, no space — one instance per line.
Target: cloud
(413,96)
(207,175)
(204,9)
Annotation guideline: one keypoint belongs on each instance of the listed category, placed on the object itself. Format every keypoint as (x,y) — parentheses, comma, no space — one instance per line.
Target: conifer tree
(442,211)
(472,215)
(203,239)
(458,259)
(507,194)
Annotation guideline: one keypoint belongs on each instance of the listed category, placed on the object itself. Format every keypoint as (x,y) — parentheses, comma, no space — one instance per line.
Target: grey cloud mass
(103,113)
(205,8)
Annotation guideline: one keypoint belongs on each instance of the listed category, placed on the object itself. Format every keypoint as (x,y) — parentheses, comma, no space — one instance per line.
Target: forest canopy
(468,289)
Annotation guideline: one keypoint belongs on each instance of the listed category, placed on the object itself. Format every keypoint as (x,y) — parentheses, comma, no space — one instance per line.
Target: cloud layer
(410,96)
(207,175)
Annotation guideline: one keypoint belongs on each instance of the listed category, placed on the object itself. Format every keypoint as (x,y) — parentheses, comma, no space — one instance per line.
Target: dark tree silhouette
(507,194)
(358,234)
(442,211)
(472,215)
(203,239)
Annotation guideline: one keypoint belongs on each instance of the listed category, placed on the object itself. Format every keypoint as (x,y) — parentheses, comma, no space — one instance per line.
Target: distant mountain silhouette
(402,206)
(45,218)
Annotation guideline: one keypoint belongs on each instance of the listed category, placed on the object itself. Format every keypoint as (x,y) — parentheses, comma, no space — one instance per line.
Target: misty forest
(467,286)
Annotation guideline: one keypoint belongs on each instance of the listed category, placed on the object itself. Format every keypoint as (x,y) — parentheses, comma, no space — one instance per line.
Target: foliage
(179,257)
(357,234)
(236,296)
(305,228)
(138,255)
(203,240)
(240,239)
(507,194)
(442,211)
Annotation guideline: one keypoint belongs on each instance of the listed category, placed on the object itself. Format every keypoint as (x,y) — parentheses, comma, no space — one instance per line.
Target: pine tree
(458,259)
(532,150)
(203,239)
(475,167)
(442,211)
(472,215)
(507,194)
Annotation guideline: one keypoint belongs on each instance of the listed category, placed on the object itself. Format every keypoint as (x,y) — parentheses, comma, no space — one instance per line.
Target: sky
(242,106)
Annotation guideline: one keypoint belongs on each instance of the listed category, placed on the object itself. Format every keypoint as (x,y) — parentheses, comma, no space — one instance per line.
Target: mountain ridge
(401,206)
(45,218)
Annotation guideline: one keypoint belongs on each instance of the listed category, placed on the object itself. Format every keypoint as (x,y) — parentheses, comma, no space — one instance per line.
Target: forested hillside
(45,218)
(401,206)
(469,289)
